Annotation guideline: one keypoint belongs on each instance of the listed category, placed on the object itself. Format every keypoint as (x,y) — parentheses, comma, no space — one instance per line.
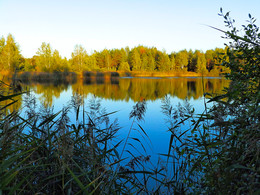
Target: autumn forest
(140,58)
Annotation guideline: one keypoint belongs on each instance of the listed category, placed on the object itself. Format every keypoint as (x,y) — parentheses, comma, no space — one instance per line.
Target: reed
(100,77)
(42,152)
(54,155)
(46,78)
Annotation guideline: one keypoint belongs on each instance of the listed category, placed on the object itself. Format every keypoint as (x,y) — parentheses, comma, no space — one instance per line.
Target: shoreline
(106,75)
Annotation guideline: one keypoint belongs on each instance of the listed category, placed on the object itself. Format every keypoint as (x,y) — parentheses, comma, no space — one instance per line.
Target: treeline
(139,58)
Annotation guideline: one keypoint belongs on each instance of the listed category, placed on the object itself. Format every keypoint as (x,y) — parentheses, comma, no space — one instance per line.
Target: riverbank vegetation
(43,153)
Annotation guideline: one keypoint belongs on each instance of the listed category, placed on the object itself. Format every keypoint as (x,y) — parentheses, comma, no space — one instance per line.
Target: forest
(140,58)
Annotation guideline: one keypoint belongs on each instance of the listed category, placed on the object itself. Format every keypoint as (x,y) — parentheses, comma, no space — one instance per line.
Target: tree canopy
(140,58)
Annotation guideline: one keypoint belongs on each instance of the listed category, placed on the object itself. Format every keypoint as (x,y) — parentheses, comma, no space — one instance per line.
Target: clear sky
(171,25)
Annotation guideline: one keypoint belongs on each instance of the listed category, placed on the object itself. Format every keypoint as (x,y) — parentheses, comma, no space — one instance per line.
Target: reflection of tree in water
(14,106)
(48,92)
(191,87)
(152,89)
(137,89)
(209,86)
(14,103)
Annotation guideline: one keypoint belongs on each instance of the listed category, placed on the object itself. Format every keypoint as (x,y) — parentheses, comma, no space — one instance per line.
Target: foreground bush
(221,147)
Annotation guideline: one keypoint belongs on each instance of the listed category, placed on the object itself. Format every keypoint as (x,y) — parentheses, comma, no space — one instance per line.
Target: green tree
(219,54)
(144,64)
(107,59)
(172,62)
(25,65)
(124,58)
(135,60)
(2,45)
(163,62)
(78,58)
(116,58)
(193,58)
(30,64)
(209,55)
(9,54)
(190,64)
(151,62)
(58,63)
(44,59)
(181,60)
(92,62)
(201,63)
(104,60)
(124,66)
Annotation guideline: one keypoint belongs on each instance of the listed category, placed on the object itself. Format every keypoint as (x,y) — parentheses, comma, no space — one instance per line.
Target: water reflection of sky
(153,124)
(154,121)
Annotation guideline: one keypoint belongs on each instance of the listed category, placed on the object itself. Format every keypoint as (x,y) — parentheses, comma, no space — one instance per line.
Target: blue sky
(170,25)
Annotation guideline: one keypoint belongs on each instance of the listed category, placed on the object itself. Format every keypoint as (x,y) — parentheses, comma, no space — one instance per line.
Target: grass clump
(43,153)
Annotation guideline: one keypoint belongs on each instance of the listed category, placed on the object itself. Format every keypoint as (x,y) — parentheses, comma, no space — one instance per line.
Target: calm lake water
(122,94)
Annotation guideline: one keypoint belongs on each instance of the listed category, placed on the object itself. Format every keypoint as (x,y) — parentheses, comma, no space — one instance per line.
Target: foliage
(44,57)
(10,57)
(163,63)
(201,64)
(220,150)
(239,163)
(139,58)
(181,60)
(46,60)
(79,59)
(124,66)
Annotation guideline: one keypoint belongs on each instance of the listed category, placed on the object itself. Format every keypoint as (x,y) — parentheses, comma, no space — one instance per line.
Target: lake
(120,95)
(116,99)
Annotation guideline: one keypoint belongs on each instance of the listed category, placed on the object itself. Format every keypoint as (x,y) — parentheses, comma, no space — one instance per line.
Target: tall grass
(44,153)
(44,77)
(218,152)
